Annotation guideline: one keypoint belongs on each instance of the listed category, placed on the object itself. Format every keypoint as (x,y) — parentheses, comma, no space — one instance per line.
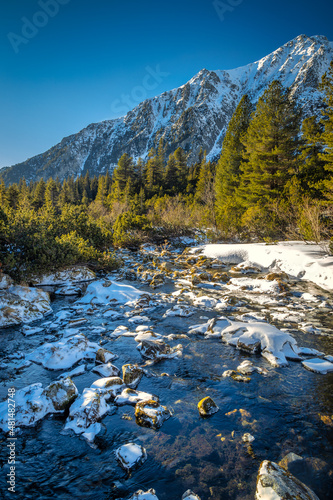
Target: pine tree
(327,134)
(154,173)
(39,194)
(311,165)
(124,171)
(271,148)
(182,169)
(171,175)
(228,167)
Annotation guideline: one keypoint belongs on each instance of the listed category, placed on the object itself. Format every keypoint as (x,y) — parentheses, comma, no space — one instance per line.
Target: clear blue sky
(62,70)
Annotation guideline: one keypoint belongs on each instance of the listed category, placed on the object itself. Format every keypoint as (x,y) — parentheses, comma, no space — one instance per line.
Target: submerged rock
(131,456)
(276,483)
(132,375)
(207,407)
(151,414)
(21,304)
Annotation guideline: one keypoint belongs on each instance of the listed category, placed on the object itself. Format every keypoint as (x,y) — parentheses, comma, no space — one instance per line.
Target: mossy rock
(207,407)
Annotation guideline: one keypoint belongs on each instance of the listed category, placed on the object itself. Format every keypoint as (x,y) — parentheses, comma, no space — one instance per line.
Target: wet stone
(151,414)
(131,455)
(276,483)
(207,407)
(132,375)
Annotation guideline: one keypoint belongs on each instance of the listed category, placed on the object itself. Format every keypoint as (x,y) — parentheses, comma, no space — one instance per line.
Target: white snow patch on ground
(305,261)
(104,291)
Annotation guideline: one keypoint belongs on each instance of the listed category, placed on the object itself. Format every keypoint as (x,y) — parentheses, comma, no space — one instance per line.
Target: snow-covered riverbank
(300,260)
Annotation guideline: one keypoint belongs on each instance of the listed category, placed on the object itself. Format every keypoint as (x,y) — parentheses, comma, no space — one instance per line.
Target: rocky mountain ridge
(192,116)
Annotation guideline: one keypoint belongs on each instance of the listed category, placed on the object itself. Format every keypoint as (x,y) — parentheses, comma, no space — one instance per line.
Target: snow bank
(104,292)
(300,260)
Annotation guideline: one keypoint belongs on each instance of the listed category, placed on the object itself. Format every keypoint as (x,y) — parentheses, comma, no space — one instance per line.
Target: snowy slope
(193,115)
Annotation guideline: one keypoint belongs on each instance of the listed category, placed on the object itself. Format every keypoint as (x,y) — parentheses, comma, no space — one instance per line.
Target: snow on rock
(65,353)
(144,495)
(204,301)
(155,349)
(86,411)
(179,310)
(318,365)
(275,483)
(32,403)
(21,304)
(189,495)
(5,281)
(151,414)
(110,386)
(273,344)
(254,285)
(131,397)
(105,291)
(107,370)
(131,455)
(65,277)
(300,260)
(132,375)
(79,370)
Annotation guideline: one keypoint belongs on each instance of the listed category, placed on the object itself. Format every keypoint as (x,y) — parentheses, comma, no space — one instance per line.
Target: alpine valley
(192,116)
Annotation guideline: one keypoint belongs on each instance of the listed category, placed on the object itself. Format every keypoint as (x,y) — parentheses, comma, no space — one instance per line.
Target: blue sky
(68,63)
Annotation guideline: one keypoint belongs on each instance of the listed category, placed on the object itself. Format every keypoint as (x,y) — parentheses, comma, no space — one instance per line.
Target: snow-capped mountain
(192,116)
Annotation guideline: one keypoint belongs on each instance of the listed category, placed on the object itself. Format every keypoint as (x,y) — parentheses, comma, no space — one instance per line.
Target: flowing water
(284,410)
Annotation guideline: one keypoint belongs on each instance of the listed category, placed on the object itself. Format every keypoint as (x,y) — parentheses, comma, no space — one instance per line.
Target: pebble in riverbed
(132,375)
(189,495)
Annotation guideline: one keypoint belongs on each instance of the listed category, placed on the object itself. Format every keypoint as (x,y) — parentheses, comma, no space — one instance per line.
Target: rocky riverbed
(177,376)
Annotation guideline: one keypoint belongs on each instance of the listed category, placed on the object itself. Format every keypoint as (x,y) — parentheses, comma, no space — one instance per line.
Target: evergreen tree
(51,194)
(228,167)
(39,194)
(327,134)
(182,169)
(311,165)
(153,173)
(124,171)
(271,148)
(171,175)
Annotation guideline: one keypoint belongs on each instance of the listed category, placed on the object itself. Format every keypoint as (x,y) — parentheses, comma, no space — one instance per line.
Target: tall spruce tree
(327,134)
(311,165)
(228,167)
(271,148)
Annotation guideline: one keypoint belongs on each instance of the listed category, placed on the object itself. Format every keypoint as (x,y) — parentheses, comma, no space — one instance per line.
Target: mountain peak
(192,116)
